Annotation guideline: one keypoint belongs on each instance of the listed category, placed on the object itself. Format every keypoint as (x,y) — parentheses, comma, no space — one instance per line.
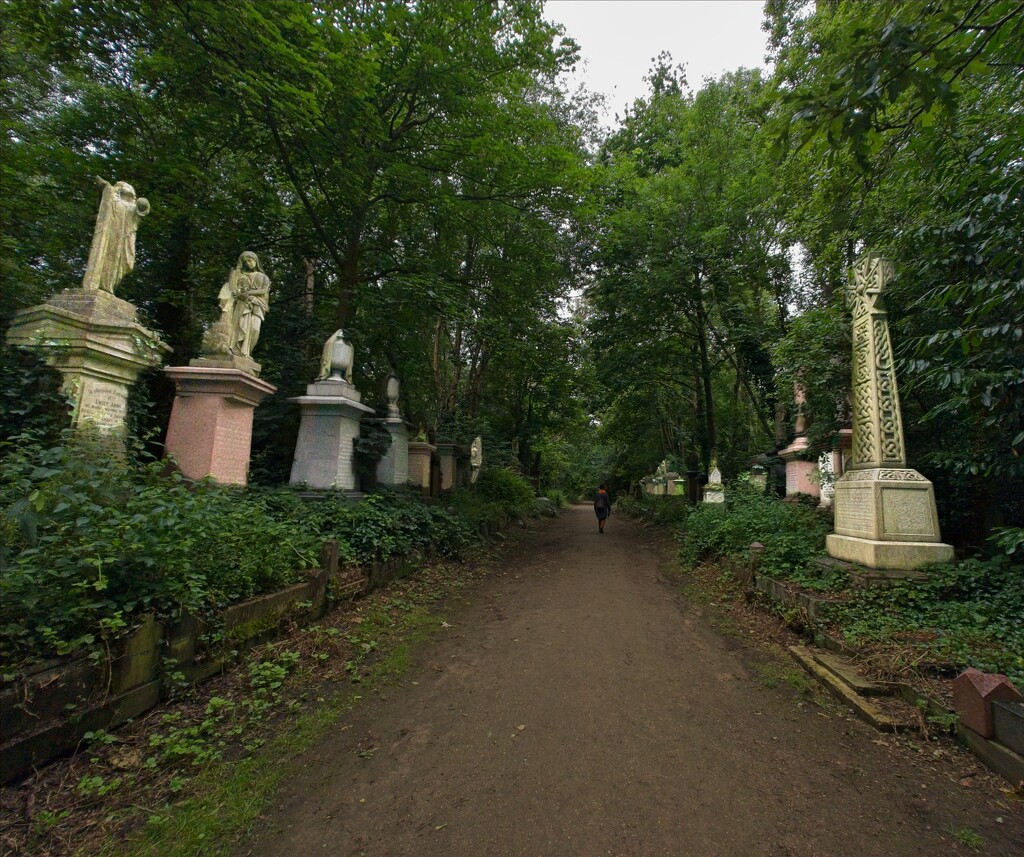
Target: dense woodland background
(419,175)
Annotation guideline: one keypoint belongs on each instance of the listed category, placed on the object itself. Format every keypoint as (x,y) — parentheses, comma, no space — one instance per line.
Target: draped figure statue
(244,301)
(112,252)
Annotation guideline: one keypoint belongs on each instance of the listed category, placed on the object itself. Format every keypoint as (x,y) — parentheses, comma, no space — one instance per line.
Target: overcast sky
(619,38)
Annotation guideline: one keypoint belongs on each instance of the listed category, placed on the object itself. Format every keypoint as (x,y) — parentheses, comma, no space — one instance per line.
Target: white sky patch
(619,39)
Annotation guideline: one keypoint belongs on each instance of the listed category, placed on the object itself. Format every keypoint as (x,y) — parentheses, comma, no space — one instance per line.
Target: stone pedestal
(393,468)
(419,465)
(210,431)
(331,411)
(96,342)
(886,518)
(800,473)
(447,455)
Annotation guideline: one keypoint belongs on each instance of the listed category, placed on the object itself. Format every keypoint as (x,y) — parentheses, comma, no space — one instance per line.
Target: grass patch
(226,798)
(968,838)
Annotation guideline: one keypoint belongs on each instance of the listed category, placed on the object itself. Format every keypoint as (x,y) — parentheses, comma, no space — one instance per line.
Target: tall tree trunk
(705,370)
(349,277)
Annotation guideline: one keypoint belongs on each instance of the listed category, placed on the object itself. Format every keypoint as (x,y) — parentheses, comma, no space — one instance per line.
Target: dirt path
(577,706)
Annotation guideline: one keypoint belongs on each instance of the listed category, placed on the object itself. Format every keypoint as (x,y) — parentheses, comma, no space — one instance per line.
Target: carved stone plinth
(393,468)
(419,465)
(331,411)
(96,342)
(886,518)
(210,431)
(885,513)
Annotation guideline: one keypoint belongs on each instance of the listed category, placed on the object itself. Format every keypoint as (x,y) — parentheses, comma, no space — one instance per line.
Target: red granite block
(973,695)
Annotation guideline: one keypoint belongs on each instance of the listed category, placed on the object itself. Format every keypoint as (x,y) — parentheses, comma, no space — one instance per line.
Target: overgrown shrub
(557,496)
(791,534)
(90,543)
(510,491)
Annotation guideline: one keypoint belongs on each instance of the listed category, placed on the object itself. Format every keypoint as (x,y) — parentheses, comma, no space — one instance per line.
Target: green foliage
(672,511)
(791,534)
(557,497)
(691,281)
(508,490)
(962,614)
(31,402)
(91,543)
(897,129)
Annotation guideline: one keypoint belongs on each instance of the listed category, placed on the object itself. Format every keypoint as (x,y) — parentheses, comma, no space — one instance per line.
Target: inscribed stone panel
(907,513)
(855,511)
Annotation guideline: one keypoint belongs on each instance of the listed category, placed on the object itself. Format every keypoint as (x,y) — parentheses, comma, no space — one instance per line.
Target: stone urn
(342,354)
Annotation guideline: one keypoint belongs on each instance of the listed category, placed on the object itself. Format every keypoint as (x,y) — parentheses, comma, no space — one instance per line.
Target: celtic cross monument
(884,512)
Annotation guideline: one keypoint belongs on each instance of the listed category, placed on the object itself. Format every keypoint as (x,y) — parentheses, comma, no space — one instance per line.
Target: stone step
(862,707)
(845,671)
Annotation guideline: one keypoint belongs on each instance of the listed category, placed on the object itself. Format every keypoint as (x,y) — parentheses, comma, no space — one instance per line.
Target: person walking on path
(602,507)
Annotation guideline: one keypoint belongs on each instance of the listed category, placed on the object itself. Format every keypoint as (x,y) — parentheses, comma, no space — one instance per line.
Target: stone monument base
(393,468)
(420,454)
(905,556)
(210,430)
(801,474)
(885,517)
(331,412)
(96,342)
(229,361)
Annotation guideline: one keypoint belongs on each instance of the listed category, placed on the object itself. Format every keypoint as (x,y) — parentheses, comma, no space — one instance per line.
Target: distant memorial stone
(802,477)
(885,514)
(92,337)
(331,411)
(476,458)
(714,491)
(393,468)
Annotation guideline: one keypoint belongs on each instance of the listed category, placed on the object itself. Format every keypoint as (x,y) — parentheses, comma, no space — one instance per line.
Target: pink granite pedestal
(210,431)
(801,475)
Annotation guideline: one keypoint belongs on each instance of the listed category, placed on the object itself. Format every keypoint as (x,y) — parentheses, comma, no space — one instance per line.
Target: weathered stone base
(419,465)
(446,452)
(801,474)
(95,341)
(228,361)
(886,504)
(330,425)
(210,431)
(879,554)
(393,468)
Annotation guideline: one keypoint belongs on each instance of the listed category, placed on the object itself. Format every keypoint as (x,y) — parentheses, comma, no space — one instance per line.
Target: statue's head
(249,261)
(125,191)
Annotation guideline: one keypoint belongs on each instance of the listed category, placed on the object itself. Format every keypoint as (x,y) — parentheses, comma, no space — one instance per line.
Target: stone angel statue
(112,252)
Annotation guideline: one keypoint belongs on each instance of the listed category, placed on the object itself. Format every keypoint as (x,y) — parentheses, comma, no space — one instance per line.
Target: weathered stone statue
(112,253)
(884,511)
(476,457)
(337,358)
(244,301)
